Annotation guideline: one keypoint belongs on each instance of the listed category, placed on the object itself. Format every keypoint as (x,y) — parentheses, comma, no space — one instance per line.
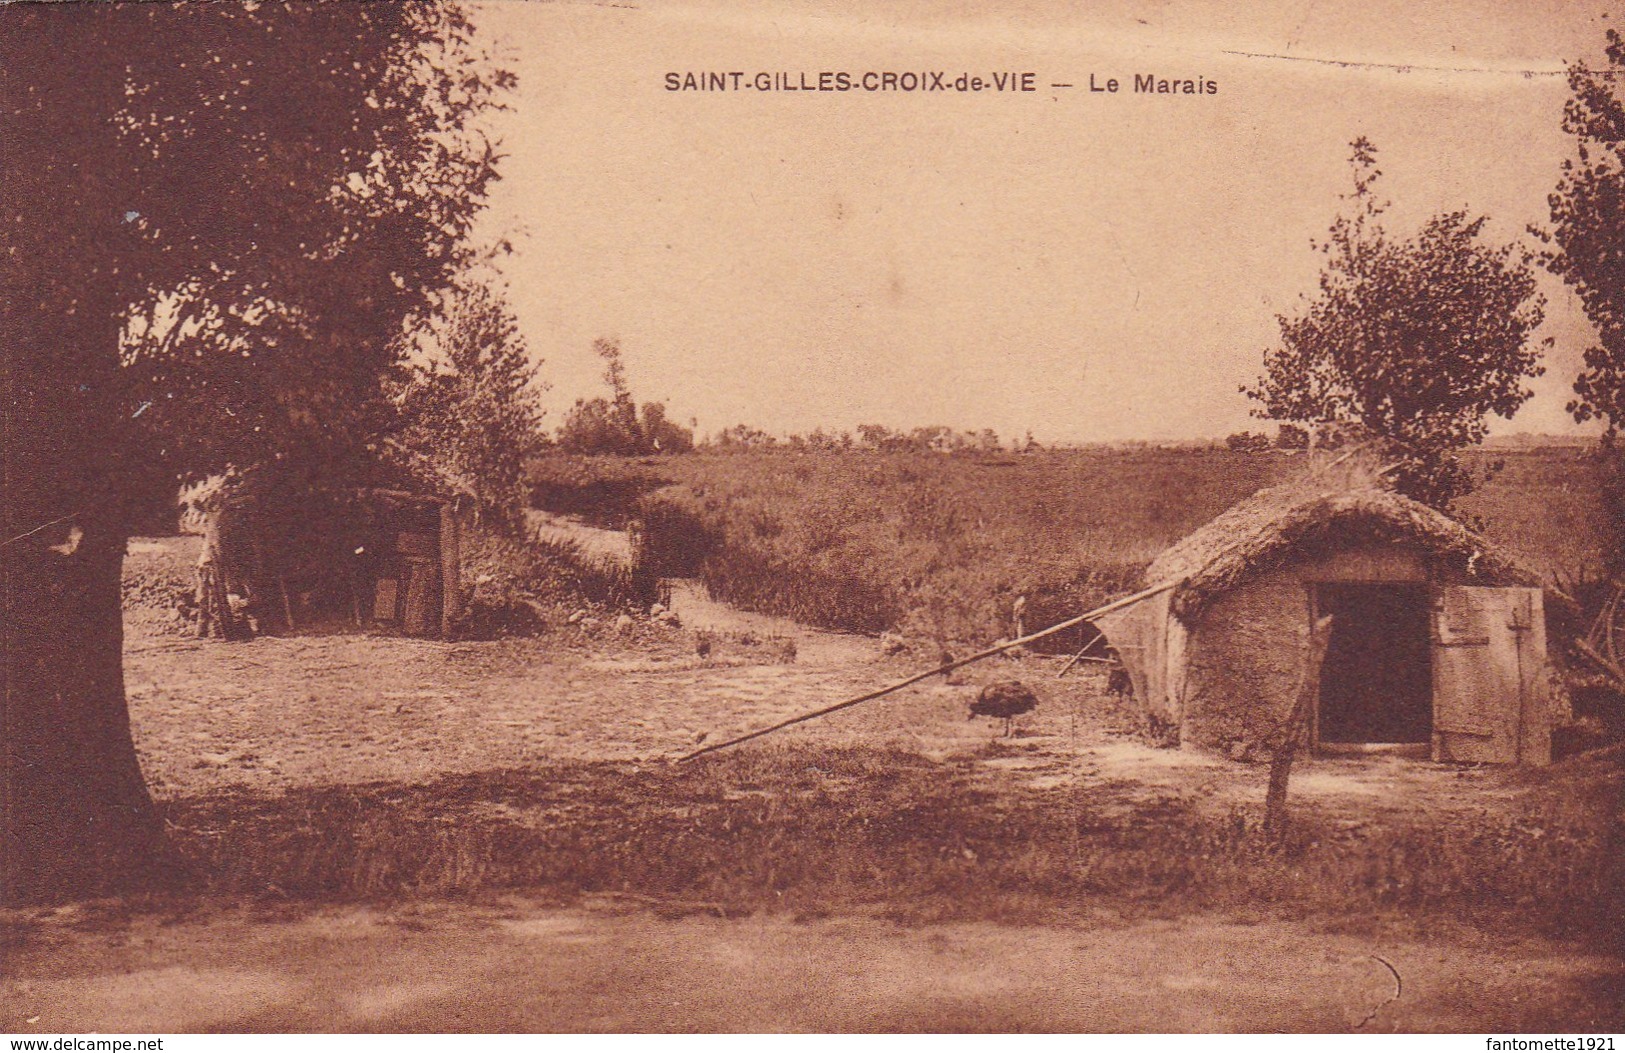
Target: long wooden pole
(1075,659)
(949,667)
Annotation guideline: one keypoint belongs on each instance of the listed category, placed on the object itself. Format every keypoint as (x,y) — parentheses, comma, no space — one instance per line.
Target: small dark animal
(1006,699)
(1118,682)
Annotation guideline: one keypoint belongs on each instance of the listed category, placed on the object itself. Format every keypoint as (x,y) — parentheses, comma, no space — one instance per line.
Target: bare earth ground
(511,964)
(280,714)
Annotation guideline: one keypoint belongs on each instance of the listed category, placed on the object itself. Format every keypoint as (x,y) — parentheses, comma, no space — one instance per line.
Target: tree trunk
(1294,732)
(75,814)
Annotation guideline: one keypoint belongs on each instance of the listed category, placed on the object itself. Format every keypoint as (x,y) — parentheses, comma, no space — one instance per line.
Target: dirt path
(513,965)
(814,647)
(609,546)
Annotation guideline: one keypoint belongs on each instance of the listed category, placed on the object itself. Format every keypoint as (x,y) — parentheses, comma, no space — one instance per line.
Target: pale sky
(1083,265)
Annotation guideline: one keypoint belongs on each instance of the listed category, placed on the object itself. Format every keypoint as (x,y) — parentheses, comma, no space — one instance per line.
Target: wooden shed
(411,569)
(1438,643)
(307,558)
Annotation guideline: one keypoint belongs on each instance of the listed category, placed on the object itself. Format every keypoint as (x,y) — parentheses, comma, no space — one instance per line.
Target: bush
(515,588)
(1247,442)
(930,543)
(613,425)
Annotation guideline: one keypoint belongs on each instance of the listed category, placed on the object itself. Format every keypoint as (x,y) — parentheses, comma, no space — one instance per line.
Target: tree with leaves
(288,287)
(600,425)
(219,219)
(614,425)
(1412,342)
(1588,230)
(469,407)
(1587,250)
(660,433)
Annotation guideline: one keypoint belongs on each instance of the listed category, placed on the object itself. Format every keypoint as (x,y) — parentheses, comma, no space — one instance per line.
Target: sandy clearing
(280,712)
(275,713)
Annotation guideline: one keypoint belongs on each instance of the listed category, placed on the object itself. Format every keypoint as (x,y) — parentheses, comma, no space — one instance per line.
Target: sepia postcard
(812,517)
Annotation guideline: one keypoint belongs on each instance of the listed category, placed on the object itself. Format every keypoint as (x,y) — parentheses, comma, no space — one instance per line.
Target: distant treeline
(602,426)
(872,438)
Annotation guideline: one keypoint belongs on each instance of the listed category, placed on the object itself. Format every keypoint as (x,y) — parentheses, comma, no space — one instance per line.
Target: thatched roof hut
(1437,645)
(1280,522)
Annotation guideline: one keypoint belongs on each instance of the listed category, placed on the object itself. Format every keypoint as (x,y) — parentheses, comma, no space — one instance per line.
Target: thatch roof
(1280,521)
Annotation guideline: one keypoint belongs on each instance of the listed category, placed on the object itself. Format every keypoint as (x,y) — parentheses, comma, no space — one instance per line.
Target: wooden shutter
(1489,676)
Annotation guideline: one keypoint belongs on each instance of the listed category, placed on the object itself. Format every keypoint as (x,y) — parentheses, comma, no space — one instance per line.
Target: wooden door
(1489,676)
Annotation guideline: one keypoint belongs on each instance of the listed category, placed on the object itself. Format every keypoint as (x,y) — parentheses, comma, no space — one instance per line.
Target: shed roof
(1264,529)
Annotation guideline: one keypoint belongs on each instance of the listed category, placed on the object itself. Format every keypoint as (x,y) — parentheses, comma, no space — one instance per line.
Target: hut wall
(1366,563)
(1150,643)
(1242,662)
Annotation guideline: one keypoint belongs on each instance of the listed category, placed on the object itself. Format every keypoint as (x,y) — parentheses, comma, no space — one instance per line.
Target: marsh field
(940,546)
(493,833)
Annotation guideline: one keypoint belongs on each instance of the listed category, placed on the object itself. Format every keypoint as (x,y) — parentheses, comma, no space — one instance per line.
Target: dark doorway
(1377,681)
